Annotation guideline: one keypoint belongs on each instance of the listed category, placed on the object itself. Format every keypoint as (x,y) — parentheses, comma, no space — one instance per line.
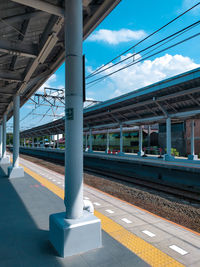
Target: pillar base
(193,157)
(168,157)
(73,236)
(5,160)
(15,172)
(140,153)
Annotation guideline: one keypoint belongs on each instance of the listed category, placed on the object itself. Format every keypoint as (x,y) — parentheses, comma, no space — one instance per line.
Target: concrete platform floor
(25,206)
(127,230)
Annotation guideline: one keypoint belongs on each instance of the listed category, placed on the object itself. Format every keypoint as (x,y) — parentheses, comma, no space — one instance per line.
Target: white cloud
(188,4)
(116,37)
(145,73)
(89,102)
(29,106)
(48,83)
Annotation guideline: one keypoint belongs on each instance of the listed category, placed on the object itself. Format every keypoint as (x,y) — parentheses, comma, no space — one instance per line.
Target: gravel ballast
(165,205)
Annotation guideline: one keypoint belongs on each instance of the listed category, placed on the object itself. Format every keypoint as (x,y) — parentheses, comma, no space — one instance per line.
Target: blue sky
(126,25)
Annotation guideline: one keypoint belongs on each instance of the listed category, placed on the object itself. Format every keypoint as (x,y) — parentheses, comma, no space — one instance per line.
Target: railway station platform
(131,236)
(25,205)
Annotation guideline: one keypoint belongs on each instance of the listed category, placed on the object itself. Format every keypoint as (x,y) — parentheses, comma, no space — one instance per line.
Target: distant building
(178,137)
(181,137)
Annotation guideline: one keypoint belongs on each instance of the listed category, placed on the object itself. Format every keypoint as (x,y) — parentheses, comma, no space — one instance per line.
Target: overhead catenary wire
(131,64)
(178,33)
(176,36)
(144,39)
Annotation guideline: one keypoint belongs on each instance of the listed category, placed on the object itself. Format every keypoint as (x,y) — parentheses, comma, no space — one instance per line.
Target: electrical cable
(144,39)
(166,38)
(127,66)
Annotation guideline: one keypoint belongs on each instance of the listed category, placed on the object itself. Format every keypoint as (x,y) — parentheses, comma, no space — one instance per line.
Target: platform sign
(69,114)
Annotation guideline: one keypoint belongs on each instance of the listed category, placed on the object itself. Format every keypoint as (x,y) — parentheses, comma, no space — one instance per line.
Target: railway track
(173,204)
(184,194)
(177,192)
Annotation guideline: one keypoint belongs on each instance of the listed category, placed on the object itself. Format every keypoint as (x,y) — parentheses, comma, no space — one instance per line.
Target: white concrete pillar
(15,171)
(192,137)
(192,156)
(16,107)
(168,136)
(4,136)
(86,142)
(53,140)
(73,109)
(81,229)
(57,140)
(149,137)
(121,139)
(107,141)
(90,140)
(140,152)
(49,141)
(1,140)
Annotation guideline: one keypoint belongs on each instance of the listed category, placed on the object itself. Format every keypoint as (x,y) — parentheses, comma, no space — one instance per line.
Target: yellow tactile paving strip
(144,250)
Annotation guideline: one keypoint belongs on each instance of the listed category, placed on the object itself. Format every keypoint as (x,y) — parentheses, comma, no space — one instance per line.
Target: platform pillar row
(90,140)
(5,159)
(107,141)
(140,152)
(121,139)
(192,156)
(76,230)
(0,140)
(15,171)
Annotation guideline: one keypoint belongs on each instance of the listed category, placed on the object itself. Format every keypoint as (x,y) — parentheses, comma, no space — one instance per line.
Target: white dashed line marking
(146,232)
(97,204)
(86,197)
(179,250)
(126,220)
(58,182)
(110,211)
(54,180)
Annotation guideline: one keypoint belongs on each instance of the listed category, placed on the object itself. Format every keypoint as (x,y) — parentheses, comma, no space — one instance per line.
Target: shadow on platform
(25,206)
(22,243)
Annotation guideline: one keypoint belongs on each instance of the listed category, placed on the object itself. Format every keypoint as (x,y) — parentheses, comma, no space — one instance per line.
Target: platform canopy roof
(177,97)
(32,43)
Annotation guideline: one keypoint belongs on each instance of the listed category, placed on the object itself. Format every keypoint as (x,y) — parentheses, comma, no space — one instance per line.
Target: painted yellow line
(144,250)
